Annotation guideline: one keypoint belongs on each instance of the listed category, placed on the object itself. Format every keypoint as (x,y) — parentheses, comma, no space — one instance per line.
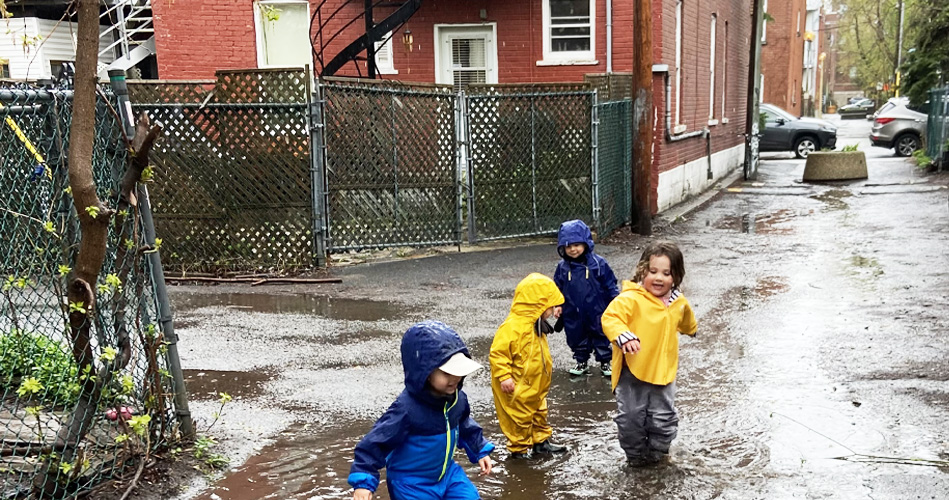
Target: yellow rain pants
(520,353)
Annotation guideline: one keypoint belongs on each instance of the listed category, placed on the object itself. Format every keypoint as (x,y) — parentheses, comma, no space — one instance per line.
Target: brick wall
(197,37)
(782,56)
(194,38)
(731,75)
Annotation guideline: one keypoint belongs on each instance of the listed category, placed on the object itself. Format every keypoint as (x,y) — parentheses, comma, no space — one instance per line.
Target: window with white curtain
(283,29)
(725,72)
(764,24)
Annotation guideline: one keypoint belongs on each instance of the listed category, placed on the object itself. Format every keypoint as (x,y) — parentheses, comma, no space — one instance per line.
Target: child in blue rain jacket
(415,438)
(588,286)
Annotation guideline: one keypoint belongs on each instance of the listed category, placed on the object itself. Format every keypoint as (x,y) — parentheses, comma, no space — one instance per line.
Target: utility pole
(754,93)
(642,110)
(899,51)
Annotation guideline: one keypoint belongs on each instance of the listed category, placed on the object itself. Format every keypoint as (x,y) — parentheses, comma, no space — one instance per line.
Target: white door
(466,55)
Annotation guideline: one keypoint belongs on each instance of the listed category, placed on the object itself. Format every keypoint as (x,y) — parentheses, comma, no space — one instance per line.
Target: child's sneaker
(605,368)
(580,369)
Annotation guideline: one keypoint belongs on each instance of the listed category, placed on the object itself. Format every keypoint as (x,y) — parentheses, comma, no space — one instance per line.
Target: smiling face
(442,383)
(574,250)
(658,277)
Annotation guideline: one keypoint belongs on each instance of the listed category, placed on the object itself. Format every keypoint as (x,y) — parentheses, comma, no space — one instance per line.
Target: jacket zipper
(448,449)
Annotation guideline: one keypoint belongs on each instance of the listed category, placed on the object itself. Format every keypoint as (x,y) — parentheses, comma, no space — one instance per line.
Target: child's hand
(507,386)
(362,494)
(632,346)
(485,464)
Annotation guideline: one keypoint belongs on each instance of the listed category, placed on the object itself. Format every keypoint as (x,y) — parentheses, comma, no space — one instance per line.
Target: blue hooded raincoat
(588,286)
(416,437)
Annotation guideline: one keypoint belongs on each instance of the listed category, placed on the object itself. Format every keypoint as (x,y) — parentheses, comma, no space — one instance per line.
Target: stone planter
(835,166)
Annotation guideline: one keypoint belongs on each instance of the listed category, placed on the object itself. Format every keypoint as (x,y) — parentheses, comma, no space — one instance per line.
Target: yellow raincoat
(639,311)
(520,353)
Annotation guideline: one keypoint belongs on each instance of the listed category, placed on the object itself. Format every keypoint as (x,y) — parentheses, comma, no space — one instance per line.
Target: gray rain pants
(647,421)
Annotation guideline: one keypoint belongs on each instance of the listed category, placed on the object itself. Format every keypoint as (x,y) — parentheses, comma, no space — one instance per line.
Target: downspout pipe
(609,36)
(668,105)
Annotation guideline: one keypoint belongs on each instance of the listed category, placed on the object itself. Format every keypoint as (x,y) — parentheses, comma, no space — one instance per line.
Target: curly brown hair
(662,248)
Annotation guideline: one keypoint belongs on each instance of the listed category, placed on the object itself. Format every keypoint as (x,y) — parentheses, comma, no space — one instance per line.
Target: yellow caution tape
(26,142)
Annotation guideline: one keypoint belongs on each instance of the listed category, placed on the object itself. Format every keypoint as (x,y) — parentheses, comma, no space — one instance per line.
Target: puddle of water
(834,198)
(757,223)
(317,305)
(209,384)
(312,462)
(866,265)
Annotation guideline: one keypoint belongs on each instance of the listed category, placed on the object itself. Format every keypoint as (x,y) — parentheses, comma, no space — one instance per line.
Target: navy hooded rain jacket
(416,437)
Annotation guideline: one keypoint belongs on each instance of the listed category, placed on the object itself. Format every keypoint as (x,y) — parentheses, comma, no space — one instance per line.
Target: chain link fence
(391,152)
(530,160)
(614,165)
(69,422)
(233,183)
(937,127)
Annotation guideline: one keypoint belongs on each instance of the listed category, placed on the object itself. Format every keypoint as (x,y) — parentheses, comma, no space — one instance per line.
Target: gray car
(900,128)
(802,136)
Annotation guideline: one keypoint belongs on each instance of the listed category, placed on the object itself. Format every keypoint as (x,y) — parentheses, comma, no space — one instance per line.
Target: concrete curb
(679,211)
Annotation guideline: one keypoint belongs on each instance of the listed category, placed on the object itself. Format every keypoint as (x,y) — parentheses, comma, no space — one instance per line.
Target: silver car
(900,128)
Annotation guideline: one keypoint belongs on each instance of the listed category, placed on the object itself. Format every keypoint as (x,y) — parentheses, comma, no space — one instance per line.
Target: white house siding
(31,62)
(685,181)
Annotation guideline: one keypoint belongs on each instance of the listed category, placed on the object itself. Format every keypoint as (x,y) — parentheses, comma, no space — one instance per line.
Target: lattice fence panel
(614,164)
(234,169)
(39,375)
(530,159)
(390,166)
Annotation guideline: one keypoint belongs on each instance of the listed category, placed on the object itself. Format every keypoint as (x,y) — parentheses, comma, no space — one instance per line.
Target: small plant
(850,148)
(922,160)
(38,367)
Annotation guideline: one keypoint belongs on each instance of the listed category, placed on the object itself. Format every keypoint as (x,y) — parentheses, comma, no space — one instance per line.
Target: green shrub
(922,160)
(849,148)
(25,355)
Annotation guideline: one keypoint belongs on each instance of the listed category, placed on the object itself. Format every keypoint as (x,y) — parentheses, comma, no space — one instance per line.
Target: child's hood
(533,295)
(574,231)
(425,347)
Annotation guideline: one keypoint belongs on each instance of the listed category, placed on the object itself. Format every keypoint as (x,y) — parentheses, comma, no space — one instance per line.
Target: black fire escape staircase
(375,32)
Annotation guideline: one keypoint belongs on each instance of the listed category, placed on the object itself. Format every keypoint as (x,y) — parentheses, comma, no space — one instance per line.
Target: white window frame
(491,48)
(259,31)
(577,57)
(764,23)
(713,26)
(725,73)
(385,66)
(678,127)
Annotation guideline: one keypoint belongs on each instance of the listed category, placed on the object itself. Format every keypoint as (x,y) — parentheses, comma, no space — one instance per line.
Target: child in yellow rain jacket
(642,323)
(521,367)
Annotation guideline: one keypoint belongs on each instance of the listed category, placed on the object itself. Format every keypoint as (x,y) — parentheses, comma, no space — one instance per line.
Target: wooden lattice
(233,186)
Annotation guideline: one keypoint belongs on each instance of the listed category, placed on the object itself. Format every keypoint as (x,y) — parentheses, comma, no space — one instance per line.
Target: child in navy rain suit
(415,438)
(588,286)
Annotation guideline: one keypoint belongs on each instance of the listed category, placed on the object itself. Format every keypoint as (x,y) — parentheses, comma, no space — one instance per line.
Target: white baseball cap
(460,365)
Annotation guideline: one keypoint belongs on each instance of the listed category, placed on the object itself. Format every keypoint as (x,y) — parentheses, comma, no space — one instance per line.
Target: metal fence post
(465,129)
(120,88)
(594,160)
(317,169)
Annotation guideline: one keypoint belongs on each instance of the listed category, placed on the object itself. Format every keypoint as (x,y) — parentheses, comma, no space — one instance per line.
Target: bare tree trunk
(94,219)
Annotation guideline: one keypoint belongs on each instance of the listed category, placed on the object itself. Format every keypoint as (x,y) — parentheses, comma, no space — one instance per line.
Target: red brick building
(791,64)
(700,50)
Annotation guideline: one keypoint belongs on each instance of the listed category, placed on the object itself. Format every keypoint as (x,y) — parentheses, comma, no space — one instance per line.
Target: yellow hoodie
(638,311)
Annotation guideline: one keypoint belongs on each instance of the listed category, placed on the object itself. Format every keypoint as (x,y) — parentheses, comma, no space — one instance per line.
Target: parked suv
(785,132)
(901,128)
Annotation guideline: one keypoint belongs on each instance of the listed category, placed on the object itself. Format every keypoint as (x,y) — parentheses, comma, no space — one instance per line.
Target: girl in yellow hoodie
(521,367)
(642,323)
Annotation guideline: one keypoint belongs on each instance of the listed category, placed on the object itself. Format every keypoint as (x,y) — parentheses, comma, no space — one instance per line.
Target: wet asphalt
(819,369)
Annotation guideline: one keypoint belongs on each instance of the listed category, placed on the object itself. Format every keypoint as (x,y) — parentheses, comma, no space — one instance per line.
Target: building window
(4,68)
(678,67)
(725,73)
(711,68)
(569,30)
(764,23)
(469,61)
(383,51)
(283,33)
